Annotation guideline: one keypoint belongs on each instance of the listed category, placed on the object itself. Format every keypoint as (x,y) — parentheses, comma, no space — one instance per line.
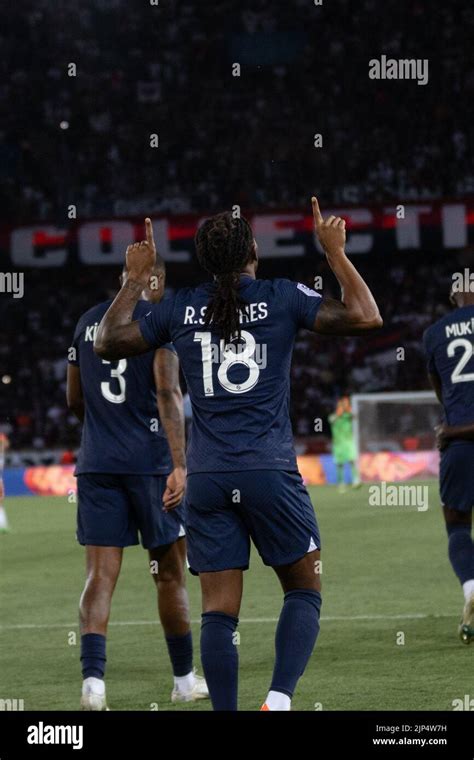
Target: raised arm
(356,313)
(170,407)
(118,337)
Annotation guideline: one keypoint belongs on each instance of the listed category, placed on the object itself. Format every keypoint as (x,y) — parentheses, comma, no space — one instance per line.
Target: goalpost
(395,421)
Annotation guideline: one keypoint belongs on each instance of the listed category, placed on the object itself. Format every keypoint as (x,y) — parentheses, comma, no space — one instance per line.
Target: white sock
(3,519)
(95,685)
(468,589)
(276,700)
(184,684)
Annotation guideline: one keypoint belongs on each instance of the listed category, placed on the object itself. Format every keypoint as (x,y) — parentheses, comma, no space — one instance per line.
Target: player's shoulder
(188,294)
(170,306)
(440,329)
(282,286)
(435,327)
(142,308)
(92,315)
(295,287)
(276,283)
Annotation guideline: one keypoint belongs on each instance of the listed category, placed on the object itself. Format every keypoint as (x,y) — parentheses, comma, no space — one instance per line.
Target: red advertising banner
(393,466)
(50,481)
(59,480)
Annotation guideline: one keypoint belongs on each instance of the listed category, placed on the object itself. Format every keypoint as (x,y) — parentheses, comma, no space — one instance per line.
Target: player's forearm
(74,394)
(357,311)
(170,407)
(78,410)
(362,311)
(115,339)
(459,432)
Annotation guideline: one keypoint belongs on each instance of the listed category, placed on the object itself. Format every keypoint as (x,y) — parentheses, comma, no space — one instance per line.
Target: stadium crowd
(82,134)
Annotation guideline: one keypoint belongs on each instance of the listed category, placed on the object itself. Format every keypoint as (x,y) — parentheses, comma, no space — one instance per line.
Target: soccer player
(128,472)
(234,337)
(449,345)
(343,446)
(3,515)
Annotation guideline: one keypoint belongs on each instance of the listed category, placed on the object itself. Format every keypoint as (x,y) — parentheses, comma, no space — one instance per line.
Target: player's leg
(457,495)
(348,463)
(104,527)
(221,598)
(298,627)
(355,476)
(218,551)
(281,520)
(3,514)
(162,533)
(461,556)
(168,566)
(103,565)
(102,571)
(340,464)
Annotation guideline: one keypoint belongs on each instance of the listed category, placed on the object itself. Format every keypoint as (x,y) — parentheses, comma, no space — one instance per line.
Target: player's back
(449,344)
(240,397)
(121,432)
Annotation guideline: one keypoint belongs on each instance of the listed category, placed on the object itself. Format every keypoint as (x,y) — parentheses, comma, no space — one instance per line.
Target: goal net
(395,422)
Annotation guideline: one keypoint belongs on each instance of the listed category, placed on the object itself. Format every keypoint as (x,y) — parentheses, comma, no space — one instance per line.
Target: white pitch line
(328,619)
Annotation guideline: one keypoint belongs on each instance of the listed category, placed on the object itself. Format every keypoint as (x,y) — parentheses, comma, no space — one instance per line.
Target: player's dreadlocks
(224,247)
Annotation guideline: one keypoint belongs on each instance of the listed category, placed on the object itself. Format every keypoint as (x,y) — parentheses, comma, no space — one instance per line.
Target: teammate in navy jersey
(127,476)
(449,345)
(234,338)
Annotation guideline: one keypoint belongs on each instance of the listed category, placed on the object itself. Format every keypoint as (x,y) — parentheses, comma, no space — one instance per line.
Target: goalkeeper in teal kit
(343,444)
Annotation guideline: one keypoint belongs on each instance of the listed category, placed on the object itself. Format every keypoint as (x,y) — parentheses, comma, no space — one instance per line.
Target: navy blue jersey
(121,433)
(240,394)
(449,345)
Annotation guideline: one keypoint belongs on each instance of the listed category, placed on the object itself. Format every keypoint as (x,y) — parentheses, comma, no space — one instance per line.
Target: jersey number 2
(468,347)
(117,373)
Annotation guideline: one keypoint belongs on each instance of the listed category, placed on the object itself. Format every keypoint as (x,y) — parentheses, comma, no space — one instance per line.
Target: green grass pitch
(386,578)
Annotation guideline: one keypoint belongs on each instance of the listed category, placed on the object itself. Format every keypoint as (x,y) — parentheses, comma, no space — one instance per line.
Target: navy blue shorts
(114,509)
(456,476)
(224,510)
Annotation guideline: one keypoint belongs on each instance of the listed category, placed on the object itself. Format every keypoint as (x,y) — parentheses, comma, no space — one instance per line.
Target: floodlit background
(112,111)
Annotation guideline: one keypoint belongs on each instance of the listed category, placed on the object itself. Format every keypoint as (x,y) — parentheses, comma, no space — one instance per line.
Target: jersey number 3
(231,358)
(117,373)
(468,347)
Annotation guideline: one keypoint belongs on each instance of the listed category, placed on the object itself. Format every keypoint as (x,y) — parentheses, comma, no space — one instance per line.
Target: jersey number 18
(232,358)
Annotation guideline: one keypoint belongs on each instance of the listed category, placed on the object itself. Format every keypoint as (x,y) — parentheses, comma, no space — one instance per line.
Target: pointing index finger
(149,232)
(318,219)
